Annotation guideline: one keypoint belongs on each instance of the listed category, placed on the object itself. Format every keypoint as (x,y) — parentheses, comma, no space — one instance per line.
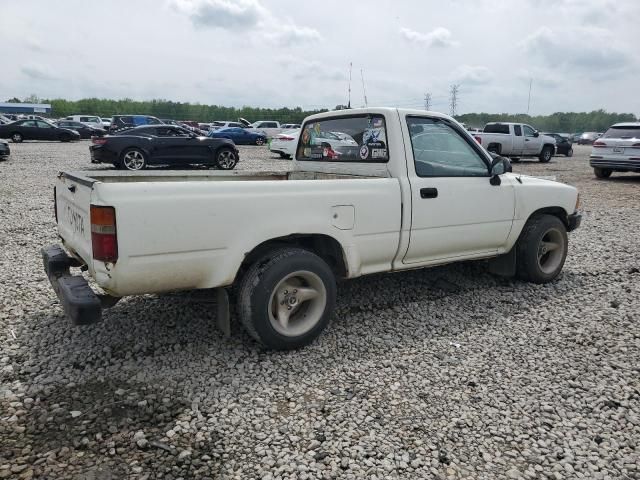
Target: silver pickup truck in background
(516,140)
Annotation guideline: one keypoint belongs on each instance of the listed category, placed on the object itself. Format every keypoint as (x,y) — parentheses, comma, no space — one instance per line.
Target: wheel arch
(325,246)
(559,212)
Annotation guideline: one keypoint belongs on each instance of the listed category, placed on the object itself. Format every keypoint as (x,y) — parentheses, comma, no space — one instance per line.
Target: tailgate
(73,200)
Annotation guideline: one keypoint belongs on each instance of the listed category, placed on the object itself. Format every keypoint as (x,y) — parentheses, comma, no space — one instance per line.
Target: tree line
(565,122)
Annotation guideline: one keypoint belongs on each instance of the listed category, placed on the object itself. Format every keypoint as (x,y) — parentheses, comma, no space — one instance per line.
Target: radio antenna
(364,89)
(349,103)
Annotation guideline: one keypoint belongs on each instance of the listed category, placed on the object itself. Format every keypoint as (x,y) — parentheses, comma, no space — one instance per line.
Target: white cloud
(225,14)
(584,48)
(472,75)
(245,15)
(440,37)
(37,72)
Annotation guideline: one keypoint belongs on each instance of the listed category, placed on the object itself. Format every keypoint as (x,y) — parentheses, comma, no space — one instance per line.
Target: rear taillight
(104,239)
(599,144)
(284,138)
(635,145)
(98,140)
(55,204)
(478,139)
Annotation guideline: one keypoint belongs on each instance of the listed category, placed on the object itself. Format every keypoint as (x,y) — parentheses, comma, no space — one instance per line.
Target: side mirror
(536,134)
(499,165)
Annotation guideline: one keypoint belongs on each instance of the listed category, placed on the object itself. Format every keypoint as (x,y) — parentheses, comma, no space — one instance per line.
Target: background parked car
(618,150)
(136,148)
(85,131)
(218,124)
(564,146)
(90,120)
(240,136)
(587,138)
(289,126)
(284,144)
(106,123)
(36,130)
(5,151)
(120,122)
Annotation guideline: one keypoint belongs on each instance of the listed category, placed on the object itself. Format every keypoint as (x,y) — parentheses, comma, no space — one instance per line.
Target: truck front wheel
(286,299)
(541,249)
(546,154)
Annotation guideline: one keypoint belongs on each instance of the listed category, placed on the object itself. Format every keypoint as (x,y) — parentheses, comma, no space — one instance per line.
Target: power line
(529,101)
(453,103)
(364,90)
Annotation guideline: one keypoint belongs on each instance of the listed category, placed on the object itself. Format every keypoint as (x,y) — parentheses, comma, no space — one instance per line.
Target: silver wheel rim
(297,303)
(547,154)
(260,141)
(16,137)
(226,159)
(571,152)
(550,250)
(133,160)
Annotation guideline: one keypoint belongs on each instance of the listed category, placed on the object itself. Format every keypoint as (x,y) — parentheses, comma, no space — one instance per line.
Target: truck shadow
(143,336)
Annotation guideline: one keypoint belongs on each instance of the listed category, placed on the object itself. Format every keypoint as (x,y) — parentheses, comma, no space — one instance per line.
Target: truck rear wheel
(286,299)
(541,249)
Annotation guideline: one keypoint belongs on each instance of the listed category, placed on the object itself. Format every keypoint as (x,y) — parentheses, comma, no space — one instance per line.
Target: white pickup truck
(269,128)
(415,190)
(516,140)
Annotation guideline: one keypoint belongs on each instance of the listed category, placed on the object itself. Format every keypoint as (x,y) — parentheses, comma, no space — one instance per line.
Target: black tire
(569,153)
(226,159)
(514,159)
(536,261)
(261,287)
(285,156)
(16,137)
(133,159)
(602,172)
(546,154)
(260,141)
(65,137)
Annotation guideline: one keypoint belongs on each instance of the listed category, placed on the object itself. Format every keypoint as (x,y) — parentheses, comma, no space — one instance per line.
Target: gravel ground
(443,373)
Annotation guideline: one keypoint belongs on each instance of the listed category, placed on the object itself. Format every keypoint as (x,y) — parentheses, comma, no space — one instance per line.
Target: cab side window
(439,150)
(528,131)
(517,130)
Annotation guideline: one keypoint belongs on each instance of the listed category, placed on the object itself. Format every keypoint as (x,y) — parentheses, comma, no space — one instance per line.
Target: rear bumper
(4,150)
(80,303)
(574,220)
(102,155)
(627,164)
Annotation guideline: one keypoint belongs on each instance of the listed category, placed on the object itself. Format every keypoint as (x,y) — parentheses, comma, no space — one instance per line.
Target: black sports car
(36,130)
(137,148)
(85,131)
(563,144)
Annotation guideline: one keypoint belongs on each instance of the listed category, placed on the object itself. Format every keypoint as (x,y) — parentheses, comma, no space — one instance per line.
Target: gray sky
(581,54)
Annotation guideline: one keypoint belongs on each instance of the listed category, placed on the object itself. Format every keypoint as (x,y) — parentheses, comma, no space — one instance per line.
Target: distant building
(25,108)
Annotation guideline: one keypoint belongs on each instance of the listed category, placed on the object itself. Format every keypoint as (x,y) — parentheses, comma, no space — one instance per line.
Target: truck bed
(184,230)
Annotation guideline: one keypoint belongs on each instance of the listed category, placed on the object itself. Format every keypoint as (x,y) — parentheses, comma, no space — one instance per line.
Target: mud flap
(223,316)
(504,265)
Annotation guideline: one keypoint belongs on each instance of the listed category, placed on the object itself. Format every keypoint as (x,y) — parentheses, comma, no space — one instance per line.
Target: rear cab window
(357,138)
(623,132)
(496,128)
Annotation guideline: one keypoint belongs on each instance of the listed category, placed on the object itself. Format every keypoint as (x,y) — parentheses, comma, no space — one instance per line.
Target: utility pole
(427,101)
(453,104)
(529,101)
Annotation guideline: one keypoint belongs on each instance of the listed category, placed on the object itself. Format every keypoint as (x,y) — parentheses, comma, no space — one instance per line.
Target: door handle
(527,140)
(428,192)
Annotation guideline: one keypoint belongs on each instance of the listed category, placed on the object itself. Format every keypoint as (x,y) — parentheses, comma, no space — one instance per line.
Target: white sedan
(284,144)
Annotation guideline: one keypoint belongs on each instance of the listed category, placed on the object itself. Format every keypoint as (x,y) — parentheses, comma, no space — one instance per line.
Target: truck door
(532,142)
(456,212)
(518,140)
